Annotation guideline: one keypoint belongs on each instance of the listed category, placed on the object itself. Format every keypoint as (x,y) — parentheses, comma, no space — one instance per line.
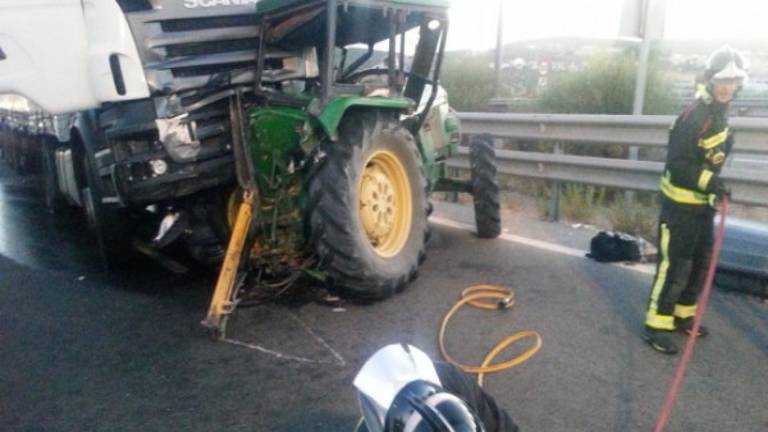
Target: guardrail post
(452,197)
(553,213)
(629,196)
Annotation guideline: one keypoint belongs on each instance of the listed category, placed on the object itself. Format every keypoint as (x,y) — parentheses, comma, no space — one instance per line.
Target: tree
(606,86)
(468,80)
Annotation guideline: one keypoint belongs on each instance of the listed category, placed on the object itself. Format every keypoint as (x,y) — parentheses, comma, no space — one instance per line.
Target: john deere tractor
(338,151)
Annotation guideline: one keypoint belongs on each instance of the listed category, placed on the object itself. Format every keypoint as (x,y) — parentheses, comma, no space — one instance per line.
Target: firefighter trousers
(685,249)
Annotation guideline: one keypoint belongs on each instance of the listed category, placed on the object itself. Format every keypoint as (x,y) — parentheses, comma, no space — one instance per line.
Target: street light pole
(499,46)
(642,67)
(641,78)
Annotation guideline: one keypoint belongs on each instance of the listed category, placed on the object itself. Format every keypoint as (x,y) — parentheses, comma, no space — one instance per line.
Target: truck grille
(190,53)
(185,49)
(134,5)
(203,48)
(180,25)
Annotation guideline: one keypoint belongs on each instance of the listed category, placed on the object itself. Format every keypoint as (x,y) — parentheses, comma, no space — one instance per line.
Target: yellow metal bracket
(223,302)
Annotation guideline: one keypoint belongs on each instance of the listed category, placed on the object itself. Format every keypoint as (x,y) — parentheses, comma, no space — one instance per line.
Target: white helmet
(726,64)
(400,391)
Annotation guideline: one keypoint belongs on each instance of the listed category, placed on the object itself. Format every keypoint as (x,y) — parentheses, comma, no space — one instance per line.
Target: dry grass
(634,218)
(579,202)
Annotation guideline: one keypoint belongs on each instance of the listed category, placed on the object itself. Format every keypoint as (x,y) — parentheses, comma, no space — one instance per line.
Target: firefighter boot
(660,340)
(685,325)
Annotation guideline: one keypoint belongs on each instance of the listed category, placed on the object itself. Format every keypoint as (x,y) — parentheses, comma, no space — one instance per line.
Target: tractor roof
(302,22)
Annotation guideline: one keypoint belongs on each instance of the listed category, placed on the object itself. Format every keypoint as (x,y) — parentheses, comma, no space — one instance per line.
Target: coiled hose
(490,297)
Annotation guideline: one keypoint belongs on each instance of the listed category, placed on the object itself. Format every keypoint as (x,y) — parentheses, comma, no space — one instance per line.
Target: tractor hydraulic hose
(489,297)
(674,387)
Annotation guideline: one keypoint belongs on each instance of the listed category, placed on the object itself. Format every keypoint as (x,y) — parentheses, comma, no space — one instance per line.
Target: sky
(473,22)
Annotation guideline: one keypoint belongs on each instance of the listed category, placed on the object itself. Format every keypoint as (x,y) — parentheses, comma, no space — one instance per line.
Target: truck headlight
(159,166)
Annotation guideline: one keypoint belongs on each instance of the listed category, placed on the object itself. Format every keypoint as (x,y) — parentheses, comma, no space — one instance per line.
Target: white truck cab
(68,55)
(140,94)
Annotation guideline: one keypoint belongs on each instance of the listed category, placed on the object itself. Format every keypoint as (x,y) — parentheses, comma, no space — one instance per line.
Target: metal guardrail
(742,106)
(750,186)
(642,131)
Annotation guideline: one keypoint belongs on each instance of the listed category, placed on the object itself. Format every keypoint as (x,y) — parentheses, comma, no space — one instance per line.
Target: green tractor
(337,154)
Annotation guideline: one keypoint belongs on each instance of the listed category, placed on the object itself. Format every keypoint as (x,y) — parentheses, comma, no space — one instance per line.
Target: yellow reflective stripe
(652,318)
(714,140)
(660,322)
(704,178)
(678,194)
(702,93)
(683,311)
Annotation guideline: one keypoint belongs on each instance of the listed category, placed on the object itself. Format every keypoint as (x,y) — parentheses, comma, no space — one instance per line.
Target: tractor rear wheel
(485,188)
(367,210)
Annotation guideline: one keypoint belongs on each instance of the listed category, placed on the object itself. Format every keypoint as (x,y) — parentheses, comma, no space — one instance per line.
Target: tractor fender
(330,114)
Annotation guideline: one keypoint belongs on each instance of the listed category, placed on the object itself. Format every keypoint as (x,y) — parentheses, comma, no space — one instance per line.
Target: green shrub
(469,81)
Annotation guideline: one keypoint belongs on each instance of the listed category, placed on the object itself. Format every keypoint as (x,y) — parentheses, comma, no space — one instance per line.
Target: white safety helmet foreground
(386,373)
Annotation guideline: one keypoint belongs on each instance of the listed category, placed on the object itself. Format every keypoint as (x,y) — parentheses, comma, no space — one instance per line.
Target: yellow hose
(503,298)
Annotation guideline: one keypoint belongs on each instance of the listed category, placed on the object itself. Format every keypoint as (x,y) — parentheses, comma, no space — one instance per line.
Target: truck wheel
(204,246)
(109,226)
(368,207)
(14,153)
(485,188)
(212,222)
(53,199)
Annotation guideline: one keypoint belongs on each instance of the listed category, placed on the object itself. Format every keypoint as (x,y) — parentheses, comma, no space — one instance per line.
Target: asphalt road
(87,351)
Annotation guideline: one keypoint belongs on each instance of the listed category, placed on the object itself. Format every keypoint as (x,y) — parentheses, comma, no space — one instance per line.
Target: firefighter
(699,143)
(401,390)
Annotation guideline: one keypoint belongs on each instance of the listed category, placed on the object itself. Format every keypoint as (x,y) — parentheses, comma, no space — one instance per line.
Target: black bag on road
(613,247)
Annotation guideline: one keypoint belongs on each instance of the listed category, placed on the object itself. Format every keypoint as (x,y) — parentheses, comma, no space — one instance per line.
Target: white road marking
(339,359)
(269,351)
(539,244)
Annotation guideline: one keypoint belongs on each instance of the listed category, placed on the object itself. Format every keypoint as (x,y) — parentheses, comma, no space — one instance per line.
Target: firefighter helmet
(726,64)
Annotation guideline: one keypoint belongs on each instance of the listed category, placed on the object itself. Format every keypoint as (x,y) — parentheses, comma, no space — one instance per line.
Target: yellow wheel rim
(234,200)
(386,208)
